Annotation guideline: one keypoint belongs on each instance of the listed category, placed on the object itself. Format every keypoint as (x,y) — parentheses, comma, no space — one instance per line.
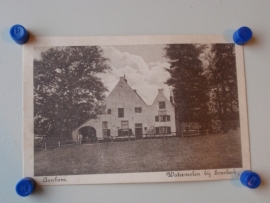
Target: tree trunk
(224,113)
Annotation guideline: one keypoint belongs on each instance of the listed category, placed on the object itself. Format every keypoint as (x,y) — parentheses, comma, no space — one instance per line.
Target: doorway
(138,130)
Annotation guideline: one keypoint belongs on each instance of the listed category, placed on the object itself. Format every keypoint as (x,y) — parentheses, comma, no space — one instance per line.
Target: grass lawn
(177,153)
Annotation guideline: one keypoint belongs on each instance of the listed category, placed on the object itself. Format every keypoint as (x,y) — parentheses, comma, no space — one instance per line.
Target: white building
(126,114)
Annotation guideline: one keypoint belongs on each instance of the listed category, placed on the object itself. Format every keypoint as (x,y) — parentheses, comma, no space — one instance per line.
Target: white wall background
(145,17)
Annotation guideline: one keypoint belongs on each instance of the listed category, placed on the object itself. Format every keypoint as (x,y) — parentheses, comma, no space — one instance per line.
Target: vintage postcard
(134,109)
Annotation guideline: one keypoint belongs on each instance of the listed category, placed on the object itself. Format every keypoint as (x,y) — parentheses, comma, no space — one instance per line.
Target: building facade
(126,114)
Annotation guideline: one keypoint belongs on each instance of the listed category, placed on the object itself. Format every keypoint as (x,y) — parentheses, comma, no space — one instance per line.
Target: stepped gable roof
(160,95)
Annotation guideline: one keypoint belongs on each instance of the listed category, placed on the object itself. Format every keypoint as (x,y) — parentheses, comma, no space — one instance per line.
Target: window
(126,132)
(163,118)
(105,130)
(162,105)
(124,124)
(120,113)
(104,125)
(138,109)
(138,125)
(145,128)
(162,130)
(162,112)
(109,111)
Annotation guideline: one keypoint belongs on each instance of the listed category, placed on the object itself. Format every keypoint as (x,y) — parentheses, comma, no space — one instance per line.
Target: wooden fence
(59,144)
(194,132)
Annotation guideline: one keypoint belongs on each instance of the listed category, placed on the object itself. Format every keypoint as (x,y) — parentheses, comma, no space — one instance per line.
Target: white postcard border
(167,176)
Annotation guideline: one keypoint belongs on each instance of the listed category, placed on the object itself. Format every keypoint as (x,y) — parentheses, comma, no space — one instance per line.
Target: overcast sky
(143,66)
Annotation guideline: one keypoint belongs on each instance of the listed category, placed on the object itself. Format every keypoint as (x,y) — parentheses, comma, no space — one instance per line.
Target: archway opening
(88,134)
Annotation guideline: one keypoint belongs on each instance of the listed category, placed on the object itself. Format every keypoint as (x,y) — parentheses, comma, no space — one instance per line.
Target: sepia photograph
(136,109)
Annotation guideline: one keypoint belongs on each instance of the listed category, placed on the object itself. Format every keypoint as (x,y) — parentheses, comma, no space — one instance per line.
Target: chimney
(123,79)
(135,91)
(160,91)
(171,97)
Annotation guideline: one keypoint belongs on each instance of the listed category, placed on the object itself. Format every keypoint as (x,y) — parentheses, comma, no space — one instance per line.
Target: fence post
(45,145)
(59,144)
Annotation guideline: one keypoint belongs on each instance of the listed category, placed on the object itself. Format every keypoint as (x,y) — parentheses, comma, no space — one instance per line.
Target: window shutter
(156,118)
(168,130)
(130,131)
(157,130)
(108,132)
(119,132)
(168,118)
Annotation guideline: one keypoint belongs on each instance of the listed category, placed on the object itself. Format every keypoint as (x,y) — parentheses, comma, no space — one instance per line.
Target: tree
(190,87)
(221,73)
(67,90)
(151,125)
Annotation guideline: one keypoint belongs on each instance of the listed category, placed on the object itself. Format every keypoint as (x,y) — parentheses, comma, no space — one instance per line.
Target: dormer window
(162,105)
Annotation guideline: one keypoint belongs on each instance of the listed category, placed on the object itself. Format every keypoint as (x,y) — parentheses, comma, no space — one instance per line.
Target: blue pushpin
(250,179)
(25,187)
(242,35)
(19,34)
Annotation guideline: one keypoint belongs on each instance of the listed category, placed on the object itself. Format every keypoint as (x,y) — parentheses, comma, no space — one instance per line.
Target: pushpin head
(25,187)
(250,179)
(242,35)
(19,34)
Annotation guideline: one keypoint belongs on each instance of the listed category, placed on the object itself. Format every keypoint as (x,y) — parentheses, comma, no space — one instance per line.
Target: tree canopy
(203,91)
(222,78)
(67,90)
(188,82)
